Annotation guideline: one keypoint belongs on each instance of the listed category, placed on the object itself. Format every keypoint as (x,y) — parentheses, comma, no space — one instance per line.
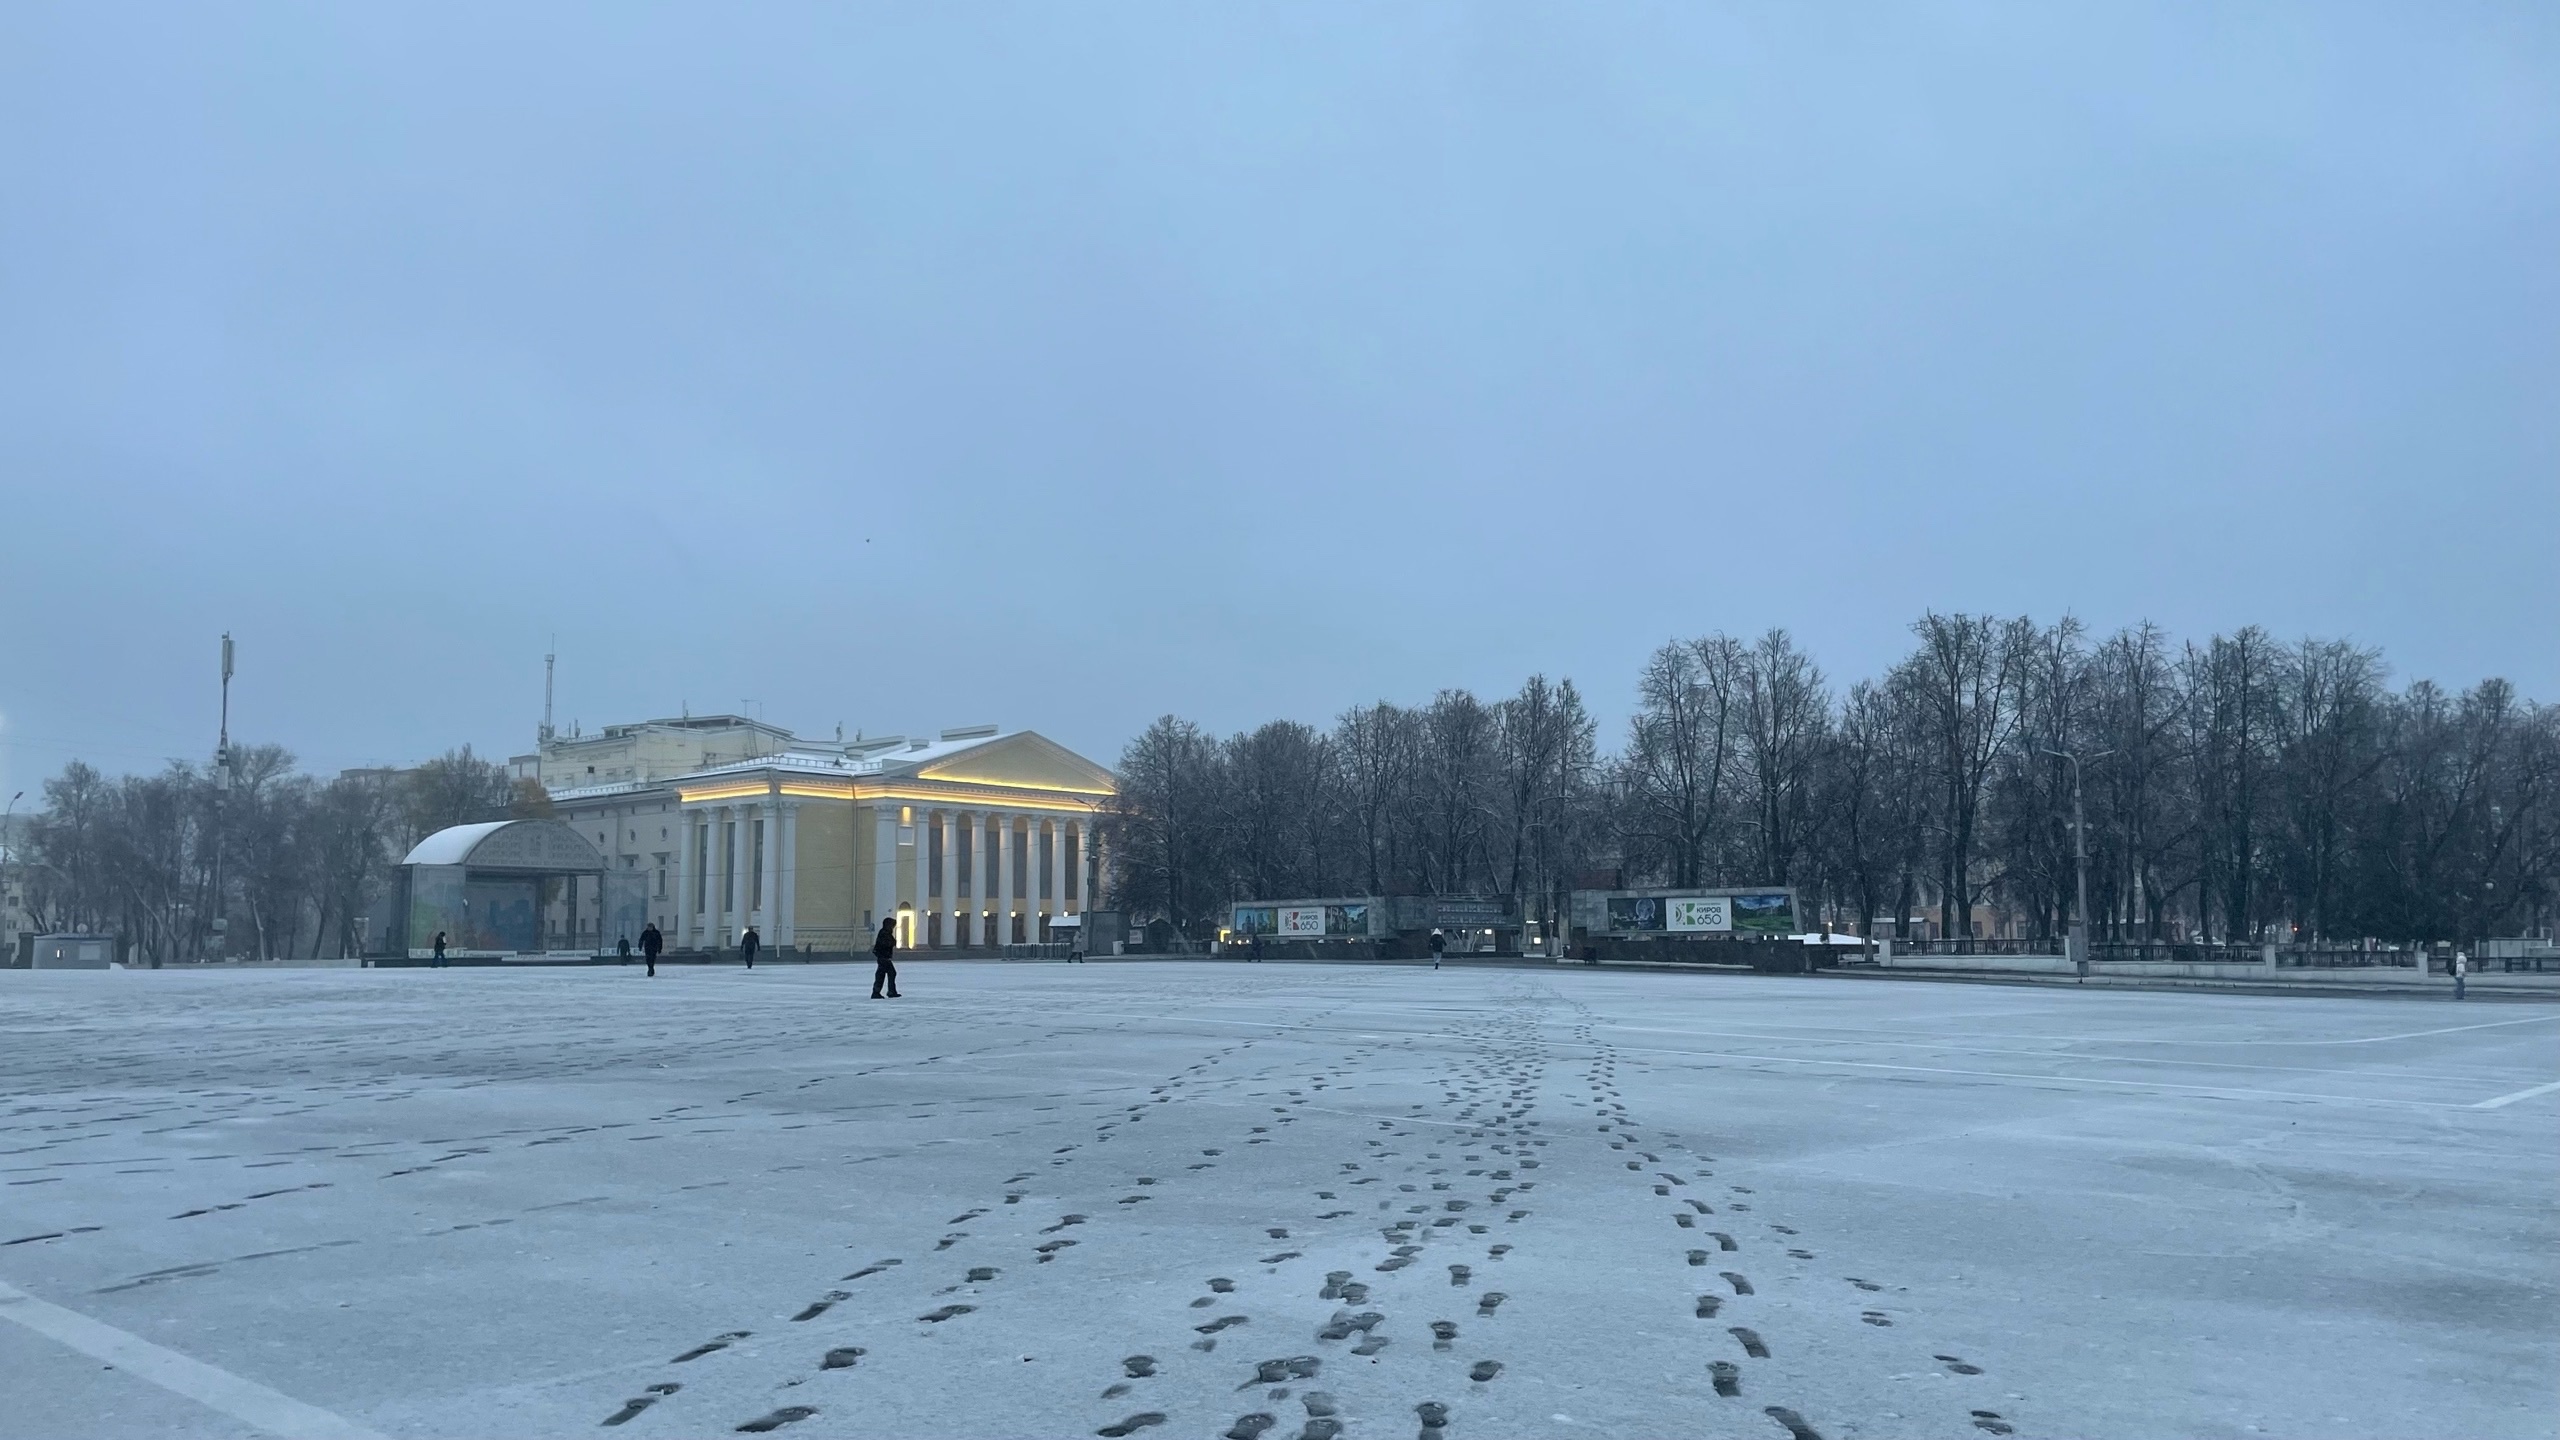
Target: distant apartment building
(650,750)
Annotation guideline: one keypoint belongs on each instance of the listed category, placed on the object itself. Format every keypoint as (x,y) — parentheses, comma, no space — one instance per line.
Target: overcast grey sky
(1063,365)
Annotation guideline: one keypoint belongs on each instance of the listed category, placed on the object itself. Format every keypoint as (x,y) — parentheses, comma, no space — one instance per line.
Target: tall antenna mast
(222,748)
(548,661)
(221,919)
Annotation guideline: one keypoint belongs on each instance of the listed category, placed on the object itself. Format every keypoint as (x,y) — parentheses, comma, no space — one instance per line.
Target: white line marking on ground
(2359,1040)
(246,1401)
(2222,1090)
(2504,1101)
(2200,1039)
(1960,1048)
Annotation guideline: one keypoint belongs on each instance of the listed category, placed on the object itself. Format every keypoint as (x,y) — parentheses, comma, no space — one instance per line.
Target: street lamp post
(2079,864)
(8,833)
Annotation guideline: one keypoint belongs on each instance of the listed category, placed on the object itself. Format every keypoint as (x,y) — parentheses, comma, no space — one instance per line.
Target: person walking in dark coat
(884,945)
(622,947)
(651,942)
(749,944)
(1439,942)
(439,960)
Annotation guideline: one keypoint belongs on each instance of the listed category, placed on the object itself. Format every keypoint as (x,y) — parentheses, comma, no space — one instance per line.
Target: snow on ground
(1221,1199)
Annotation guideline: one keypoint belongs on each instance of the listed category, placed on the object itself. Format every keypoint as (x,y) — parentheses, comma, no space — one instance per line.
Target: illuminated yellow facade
(972,841)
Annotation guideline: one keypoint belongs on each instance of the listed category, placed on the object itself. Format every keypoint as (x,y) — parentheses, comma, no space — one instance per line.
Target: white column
(982,890)
(964,898)
(1004,858)
(683,938)
(1026,873)
(884,863)
(733,882)
(786,859)
(1031,878)
(951,932)
(912,891)
(769,901)
(922,886)
(1057,869)
(1083,873)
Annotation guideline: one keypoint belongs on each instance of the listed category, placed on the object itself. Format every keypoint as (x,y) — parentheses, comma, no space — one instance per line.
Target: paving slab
(1265,1201)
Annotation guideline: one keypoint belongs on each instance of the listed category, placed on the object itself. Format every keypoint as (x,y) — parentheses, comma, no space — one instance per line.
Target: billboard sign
(1302,920)
(1770,914)
(1694,914)
(1635,912)
(1346,919)
(1256,920)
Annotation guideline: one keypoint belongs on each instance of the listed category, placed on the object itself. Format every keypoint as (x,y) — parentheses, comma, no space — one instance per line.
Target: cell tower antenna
(222,747)
(548,662)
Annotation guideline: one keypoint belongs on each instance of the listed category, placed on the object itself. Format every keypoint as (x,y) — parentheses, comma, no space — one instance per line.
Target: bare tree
(455,788)
(70,884)
(1456,780)
(1678,770)
(351,822)
(1785,713)
(1278,795)
(1164,824)
(2036,870)
(1374,747)
(1545,744)
(2328,749)
(2140,790)
(266,828)
(159,854)
(1851,795)
(2232,685)
(1967,668)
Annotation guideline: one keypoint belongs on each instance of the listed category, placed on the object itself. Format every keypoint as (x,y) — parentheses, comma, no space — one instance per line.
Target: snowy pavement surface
(1265,1202)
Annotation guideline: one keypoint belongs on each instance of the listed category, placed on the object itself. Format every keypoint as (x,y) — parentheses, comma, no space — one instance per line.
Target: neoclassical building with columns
(970,840)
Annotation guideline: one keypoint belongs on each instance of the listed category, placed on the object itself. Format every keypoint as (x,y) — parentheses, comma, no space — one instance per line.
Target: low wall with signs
(1740,911)
(1771,956)
(1373,917)
(1343,917)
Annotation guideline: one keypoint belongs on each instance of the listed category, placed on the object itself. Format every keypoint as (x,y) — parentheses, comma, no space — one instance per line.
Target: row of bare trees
(1454,797)
(2234,788)
(285,861)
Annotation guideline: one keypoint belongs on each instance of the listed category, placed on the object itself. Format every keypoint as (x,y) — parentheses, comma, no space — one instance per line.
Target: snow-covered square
(1281,1200)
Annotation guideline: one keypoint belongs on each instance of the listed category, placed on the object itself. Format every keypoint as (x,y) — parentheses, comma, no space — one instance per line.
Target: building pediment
(1023,760)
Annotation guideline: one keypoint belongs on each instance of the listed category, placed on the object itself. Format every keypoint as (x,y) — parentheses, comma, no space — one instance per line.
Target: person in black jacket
(884,945)
(1439,942)
(439,960)
(749,944)
(651,942)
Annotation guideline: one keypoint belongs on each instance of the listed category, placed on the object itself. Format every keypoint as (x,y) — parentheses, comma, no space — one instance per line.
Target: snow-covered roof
(452,845)
(615,787)
(839,762)
(521,846)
